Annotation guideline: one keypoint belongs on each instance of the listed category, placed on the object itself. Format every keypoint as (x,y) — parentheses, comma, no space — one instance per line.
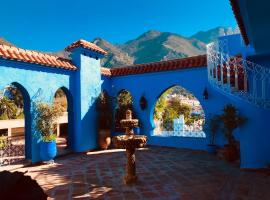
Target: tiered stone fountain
(130,142)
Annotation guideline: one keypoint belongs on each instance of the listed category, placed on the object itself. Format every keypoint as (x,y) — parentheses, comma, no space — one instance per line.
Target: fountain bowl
(129,123)
(129,141)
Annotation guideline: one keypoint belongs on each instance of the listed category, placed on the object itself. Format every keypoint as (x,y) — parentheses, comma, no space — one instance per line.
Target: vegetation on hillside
(11,104)
(169,107)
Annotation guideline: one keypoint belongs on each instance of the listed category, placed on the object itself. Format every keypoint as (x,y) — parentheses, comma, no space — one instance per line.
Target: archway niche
(178,113)
(64,130)
(15,125)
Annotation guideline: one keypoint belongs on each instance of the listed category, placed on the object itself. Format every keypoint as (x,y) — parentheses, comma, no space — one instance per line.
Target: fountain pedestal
(130,142)
(130,167)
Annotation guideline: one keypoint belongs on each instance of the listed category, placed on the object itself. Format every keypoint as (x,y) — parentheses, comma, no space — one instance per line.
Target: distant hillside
(5,42)
(210,35)
(154,46)
(116,56)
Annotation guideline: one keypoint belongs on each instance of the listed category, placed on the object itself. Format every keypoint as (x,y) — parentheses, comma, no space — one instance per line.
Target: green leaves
(8,109)
(231,120)
(46,116)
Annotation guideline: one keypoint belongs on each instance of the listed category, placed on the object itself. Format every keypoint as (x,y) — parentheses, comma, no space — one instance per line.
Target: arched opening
(124,103)
(64,130)
(15,125)
(178,113)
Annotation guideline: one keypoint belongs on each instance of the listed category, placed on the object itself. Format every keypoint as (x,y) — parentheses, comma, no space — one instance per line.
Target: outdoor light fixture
(205,93)
(143,103)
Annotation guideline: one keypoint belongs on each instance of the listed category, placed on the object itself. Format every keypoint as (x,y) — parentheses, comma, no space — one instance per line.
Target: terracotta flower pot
(230,153)
(104,138)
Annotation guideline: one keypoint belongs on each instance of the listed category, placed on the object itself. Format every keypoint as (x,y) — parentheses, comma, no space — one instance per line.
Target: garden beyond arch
(178,112)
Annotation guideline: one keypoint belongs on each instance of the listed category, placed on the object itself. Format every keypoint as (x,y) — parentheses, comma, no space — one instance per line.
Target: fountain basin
(129,123)
(129,141)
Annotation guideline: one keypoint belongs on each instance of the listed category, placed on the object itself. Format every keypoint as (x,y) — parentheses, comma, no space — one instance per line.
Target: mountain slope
(156,46)
(5,42)
(150,47)
(210,35)
(115,57)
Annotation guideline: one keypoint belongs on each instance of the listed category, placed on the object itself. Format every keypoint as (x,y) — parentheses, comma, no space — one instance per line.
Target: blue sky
(50,25)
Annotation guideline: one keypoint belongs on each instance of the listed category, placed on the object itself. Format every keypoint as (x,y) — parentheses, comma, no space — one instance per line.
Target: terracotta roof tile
(87,45)
(239,19)
(183,63)
(14,53)
(105,71)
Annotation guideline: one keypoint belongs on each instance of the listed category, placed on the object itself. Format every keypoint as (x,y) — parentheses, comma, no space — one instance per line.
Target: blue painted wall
(39,83)
(152,85)
(254,146)
(256,16)
(84,85)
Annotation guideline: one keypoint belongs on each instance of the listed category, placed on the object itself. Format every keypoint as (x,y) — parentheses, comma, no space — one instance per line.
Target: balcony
(233,75)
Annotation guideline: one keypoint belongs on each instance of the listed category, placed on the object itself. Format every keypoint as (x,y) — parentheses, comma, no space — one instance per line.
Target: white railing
(238,77)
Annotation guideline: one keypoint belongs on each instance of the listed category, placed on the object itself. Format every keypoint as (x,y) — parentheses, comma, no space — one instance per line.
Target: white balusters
(238,73)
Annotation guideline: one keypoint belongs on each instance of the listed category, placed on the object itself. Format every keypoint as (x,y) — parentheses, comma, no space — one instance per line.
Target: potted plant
(104,109)
(231,120)
(213,125)
(46,116)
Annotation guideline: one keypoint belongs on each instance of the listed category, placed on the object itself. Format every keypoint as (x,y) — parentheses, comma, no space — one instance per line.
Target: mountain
(154,46)
(211,35)
(116,56)
(5,42)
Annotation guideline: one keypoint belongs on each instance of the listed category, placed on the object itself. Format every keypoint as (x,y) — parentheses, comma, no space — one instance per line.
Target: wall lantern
(205,94)
(143,103)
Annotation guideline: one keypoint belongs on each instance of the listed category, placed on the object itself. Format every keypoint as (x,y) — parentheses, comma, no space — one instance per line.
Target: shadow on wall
(89,122)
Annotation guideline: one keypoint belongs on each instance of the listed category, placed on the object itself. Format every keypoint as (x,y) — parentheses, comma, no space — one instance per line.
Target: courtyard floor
(164,173)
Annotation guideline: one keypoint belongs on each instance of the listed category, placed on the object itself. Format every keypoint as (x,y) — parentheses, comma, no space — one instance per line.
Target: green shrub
(46,116)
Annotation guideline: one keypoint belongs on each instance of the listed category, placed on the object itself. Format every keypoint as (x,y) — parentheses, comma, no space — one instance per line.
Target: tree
(60,100)
(231,120)
(15,94)
(125,103)
(162,104)
(8,110)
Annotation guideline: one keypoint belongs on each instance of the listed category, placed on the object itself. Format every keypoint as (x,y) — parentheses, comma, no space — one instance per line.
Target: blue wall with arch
(84,85)
(39,82)
(254,149)
(152,85)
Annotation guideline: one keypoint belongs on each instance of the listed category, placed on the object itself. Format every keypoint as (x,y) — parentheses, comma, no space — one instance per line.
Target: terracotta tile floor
(164,173)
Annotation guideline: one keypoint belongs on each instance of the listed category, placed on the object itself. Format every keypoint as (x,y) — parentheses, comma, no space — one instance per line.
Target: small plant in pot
(104,109)
(231,120)
(46,116)
(212,127)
